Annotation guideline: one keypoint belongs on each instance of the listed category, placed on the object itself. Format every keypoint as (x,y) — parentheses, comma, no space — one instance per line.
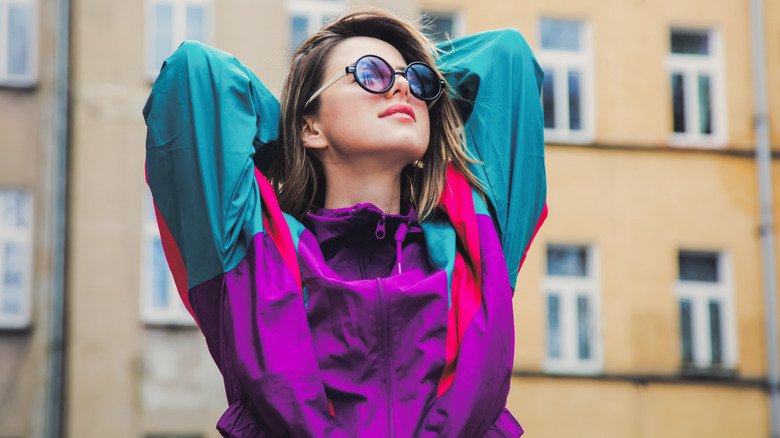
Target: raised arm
(205,117)
(498,83)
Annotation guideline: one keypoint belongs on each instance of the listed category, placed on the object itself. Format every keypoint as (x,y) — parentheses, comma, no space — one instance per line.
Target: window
(567,91)
(160,302)
(695,71)
(169,23)
(18,42)
(706,328)
(307,16)
(16,247)
(441,26)
(571,289)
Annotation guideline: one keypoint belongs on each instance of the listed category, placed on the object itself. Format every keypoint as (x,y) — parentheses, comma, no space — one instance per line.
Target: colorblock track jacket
(349,322)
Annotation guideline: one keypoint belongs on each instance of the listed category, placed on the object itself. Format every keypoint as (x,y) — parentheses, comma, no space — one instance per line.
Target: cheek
(426,124)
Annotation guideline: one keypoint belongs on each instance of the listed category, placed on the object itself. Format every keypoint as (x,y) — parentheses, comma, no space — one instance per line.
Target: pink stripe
(276,227)
(539,223)
(466,292)
(175,261)
(174,258)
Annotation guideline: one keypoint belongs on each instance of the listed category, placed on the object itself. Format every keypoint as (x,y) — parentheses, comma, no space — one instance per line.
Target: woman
(364,291)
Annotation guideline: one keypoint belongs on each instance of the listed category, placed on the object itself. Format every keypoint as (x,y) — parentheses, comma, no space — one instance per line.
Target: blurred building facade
(639,310)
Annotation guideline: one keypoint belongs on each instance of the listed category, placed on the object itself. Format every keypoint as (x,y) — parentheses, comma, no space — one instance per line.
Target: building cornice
(665,149)
(726,378)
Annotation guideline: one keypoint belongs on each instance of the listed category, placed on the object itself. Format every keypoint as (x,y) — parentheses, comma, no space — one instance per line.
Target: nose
(400,85)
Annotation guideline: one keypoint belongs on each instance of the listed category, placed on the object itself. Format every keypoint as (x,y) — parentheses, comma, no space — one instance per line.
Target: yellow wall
(559,408)
(772,41)
(631,41)
(638,201)
(638,209)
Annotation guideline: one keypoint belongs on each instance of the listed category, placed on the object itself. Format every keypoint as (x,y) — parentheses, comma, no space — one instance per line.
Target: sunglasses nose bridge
(395,84)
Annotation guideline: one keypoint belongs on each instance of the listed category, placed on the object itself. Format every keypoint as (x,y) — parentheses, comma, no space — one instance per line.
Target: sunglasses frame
(352,69)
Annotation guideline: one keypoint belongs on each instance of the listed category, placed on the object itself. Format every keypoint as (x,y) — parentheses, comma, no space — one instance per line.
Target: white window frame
(690,66)
(179,29)
(31,77)
(560,62)
(315,11)
(568,288)
(700,293)
(21,319)
(458,20)
(175,313)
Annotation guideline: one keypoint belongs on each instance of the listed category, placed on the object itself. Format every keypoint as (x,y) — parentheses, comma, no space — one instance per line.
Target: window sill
(568,137)
(696,141)
(19,84)
(171,326)
(6,328)
(173,322)
(573,369)
(693,372)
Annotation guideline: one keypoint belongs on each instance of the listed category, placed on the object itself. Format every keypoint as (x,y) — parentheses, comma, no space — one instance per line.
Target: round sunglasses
(375,75)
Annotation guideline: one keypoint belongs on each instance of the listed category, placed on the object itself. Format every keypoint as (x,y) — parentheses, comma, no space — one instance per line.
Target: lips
(399,108)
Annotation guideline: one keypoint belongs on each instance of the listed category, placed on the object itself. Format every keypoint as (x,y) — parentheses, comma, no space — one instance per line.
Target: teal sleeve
(206,116)
(497,84)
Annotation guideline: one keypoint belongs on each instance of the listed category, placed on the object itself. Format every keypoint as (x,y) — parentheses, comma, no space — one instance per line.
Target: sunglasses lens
(373,74)
(423,81)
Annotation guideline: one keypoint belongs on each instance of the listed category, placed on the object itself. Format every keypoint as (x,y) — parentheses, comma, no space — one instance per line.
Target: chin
(413,152)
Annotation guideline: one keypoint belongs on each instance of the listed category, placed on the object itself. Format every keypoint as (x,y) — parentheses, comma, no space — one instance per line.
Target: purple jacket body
(349,322)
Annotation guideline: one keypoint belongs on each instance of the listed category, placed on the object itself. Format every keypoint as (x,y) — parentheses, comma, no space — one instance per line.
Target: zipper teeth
(362,264)
(385,310)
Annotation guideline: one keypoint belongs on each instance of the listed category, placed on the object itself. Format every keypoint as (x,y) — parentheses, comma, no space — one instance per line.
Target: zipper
(384,314)
(380,227)
(362,264)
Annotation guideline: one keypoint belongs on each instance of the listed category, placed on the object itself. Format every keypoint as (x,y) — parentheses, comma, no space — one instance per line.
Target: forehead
(348,51)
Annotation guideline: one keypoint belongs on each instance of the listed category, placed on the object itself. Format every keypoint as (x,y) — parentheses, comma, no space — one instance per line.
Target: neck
(348,185)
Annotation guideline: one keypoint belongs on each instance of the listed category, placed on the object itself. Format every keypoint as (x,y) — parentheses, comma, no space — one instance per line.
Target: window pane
(300,30)
(567,260)
(705,105)
(583,327)
(686,331)
(16,209)
(561,34)
(548,99)
(574,100)
(196,23)
(716,333)
(690,42)
(159,276)
(553,327)
(698,266)
(163,33)
(678,102)
(13,275)
(440,27)
(20,42)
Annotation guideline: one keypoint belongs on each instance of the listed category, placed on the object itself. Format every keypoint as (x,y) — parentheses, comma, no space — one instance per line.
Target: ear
(312,134)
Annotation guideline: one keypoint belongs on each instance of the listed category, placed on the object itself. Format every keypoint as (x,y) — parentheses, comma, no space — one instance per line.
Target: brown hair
(298,175)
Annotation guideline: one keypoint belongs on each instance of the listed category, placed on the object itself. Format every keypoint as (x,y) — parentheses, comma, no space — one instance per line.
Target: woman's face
(392,128)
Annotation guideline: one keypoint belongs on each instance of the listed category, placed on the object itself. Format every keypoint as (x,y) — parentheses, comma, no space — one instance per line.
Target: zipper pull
(380,228)
(400,235)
